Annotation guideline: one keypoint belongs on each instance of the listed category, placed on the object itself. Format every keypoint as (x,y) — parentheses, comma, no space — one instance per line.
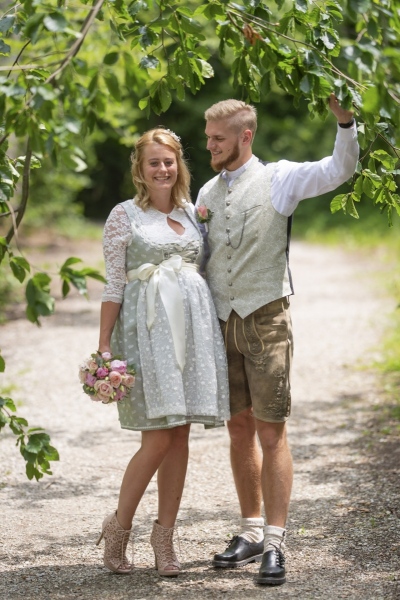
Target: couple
(157,311)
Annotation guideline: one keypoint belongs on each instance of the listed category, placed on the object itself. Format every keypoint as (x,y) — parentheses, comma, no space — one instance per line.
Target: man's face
(224,144)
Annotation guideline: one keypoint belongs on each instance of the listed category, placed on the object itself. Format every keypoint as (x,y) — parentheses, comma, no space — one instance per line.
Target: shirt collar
(230,176)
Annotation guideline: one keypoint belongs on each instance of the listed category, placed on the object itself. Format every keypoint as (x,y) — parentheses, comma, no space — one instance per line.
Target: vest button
(227,216)
(230,284)
(228,203)
(232,297)
(229,270)
(228,243)
(227,230)
(229,256)
(229,191)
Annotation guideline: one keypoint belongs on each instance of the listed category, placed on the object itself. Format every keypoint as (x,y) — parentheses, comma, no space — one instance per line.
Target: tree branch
(25,193)
(78,43)
(18,57)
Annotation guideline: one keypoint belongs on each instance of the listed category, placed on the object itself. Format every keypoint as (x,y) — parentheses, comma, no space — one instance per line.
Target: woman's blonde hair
(180,192)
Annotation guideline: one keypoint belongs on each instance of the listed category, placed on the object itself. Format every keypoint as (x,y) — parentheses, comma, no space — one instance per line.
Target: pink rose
(104,390)
(115,379)
(119,394)
(102,372)
(128,380)
(119,365)
(91,365)
(90,380)
(202,210)
(106,356)
(95,398)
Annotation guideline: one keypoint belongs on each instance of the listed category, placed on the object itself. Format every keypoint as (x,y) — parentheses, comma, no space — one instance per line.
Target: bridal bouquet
(106,378)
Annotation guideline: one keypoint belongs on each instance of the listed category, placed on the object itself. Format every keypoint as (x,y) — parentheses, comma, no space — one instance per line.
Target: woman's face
(159,167)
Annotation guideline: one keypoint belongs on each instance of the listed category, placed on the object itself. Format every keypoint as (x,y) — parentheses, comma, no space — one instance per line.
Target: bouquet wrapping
(106,378)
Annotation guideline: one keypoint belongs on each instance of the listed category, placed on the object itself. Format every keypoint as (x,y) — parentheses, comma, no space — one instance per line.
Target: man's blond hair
(239,114)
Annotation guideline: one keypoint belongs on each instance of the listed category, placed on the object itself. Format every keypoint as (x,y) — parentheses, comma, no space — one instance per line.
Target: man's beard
(233,156)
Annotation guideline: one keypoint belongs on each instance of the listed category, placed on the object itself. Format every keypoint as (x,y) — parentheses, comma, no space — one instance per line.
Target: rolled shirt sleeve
(293,181)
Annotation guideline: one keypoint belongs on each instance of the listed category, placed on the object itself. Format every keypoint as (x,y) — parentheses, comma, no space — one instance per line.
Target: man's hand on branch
(343,115)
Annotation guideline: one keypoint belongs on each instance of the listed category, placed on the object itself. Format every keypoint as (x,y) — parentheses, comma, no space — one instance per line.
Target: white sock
(274,537)
(252,530)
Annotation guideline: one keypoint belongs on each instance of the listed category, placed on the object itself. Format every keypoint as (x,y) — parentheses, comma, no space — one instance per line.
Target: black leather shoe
(272,570)
(239,553)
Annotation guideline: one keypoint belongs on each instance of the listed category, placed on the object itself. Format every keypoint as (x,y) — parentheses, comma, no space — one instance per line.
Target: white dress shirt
(295,181)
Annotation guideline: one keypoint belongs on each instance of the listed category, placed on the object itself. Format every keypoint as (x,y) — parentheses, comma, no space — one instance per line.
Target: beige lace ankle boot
(115,543)
(166,561)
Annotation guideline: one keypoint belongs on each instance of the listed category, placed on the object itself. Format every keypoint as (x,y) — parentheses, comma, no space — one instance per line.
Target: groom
(251,206)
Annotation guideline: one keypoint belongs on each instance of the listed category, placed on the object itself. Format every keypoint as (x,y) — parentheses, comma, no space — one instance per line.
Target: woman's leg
(140,470)
(171,476)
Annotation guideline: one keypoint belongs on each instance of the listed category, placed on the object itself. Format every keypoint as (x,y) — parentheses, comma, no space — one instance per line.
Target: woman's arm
(116,237)
(108,316)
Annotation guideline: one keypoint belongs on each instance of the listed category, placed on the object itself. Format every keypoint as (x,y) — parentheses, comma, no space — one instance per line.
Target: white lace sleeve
(116,237)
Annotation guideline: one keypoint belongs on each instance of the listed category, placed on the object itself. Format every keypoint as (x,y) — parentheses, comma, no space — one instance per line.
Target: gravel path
(343,530)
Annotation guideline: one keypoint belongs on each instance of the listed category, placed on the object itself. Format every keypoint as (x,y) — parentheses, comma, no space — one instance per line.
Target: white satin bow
(163,277)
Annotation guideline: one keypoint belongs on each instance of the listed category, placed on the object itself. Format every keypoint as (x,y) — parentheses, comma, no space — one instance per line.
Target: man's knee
(242,427)
(272,436)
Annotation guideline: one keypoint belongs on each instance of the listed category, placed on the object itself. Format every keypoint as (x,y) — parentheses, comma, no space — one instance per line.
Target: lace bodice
(154,227)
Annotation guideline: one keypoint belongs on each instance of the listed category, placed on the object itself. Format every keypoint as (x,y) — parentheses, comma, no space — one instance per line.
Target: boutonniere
(204,215)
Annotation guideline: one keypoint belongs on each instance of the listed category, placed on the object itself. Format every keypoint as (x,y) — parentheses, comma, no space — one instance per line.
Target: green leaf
(328,40)
(51,453)
(72,125)
(164,95)
(370,100)
(339,202)
(306,84)
(301,5)
(149,62)
(379,196)
(350,207)
(72,260)
(191,26)
(143,103)
(30,470)
(205,68)
(3,246)
(55,22)
(112,84)
(33,26)
(40,302)
(6,23)
(2,364)
(65,289)
(19,267)
(34,446)
(383,157)
(4,48)
(147,37)
(358,186)
(8,403)
(111,58)
(19,421)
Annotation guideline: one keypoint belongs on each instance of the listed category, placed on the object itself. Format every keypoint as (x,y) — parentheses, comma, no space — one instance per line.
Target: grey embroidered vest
(249,243)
